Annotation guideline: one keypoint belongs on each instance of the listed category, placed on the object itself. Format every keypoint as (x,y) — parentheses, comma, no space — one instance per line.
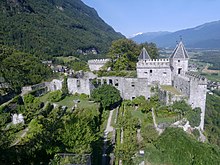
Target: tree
(123,54)
(107,95)
(151,49)
(193,116)
(65,87)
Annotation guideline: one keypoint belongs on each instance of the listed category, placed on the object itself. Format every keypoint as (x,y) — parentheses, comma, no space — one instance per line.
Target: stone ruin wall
(194,87)
(96,64)
(79,86)
(168,98)
(129,88)
(198,89)
(182,84)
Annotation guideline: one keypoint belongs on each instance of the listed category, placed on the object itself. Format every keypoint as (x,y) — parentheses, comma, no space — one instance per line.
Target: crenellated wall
(156,71)
(96,64)
(154,63)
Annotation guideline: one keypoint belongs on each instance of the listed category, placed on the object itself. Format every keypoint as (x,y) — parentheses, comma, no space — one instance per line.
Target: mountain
(203,36)
(143,37)
(53,27)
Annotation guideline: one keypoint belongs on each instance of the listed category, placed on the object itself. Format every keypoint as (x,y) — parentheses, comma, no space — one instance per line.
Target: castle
(171,73)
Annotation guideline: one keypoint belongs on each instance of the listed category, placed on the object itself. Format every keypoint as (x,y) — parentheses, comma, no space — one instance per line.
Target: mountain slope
(203,36)
(141,38)
(54,27)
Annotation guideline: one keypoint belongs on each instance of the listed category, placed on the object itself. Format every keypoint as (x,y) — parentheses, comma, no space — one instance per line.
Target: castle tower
(179,60)
(156,71)
(144,55)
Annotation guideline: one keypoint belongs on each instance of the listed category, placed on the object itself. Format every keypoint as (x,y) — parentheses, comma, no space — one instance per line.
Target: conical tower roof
(179,51)
(144,55)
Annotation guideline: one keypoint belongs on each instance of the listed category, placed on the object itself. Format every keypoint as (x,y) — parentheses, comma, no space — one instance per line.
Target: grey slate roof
(144,55)
(179,51)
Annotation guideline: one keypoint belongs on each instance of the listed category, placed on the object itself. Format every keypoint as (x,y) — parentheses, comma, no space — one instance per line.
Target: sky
(133,16)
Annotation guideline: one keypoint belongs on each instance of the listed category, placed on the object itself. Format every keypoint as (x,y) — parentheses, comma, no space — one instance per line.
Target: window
(178,60)
(132,84)
(110,81)
(116,82)
(78,83)
(179,70)
(104,81)
(164,73)
(151,71)
(133,98)
(145,72)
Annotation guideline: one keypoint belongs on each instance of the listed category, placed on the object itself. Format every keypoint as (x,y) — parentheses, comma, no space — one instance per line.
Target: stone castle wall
(182,83)
(80,86)
(194,87)
(129,88)
(156,71)
(197,98)
(169,98)
(95,65)
(179,64)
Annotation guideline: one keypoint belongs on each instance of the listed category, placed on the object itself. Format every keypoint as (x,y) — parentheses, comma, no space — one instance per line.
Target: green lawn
(170,89)
(68,101)
(66,59)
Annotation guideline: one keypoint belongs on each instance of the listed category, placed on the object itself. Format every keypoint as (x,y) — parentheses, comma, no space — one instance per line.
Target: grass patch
(67,59)
(171,89)
(69,102)
(83,104)
(169,120)
(212,76)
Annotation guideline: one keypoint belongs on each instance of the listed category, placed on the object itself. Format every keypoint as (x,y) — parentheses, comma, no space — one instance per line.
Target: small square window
(178,60)
(78,83)
(132,84)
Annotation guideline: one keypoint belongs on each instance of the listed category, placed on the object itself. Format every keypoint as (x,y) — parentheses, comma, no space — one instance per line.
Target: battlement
(196,77)
(98,61)
(154,63)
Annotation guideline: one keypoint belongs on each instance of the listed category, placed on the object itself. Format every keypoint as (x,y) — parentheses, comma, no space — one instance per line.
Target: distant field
(207,62)
(66,59)
(206,70)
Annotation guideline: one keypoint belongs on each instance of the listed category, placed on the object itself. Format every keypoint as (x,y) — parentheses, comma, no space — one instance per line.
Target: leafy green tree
(178,148)
(149,134)
(107,95)
(181,107)
(65,87)
(193,116)
(212,119)
(151,49)
(19,69)
(127,149)
(55,96)
(123,54)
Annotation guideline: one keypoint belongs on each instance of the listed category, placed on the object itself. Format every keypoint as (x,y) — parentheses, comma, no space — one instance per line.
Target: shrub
(55,96)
